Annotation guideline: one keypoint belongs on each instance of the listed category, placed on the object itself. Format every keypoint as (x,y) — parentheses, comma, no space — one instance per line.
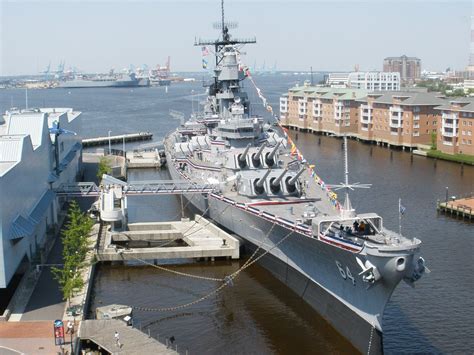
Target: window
(463,133)
(469,133)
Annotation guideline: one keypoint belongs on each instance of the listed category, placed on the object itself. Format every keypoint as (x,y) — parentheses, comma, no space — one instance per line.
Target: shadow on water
(410,339)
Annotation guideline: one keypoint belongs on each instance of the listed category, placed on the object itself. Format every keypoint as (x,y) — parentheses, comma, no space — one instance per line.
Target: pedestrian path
(27,338)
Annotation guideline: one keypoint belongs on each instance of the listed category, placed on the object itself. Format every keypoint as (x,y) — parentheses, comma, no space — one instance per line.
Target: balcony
(448,134)
(449,125)
(449,116)
(396,123)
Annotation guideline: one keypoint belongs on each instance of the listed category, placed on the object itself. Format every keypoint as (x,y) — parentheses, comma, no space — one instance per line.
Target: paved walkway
(28,338)
(46,302)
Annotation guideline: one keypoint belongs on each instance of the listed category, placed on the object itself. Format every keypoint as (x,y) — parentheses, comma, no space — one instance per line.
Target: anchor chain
(227,280)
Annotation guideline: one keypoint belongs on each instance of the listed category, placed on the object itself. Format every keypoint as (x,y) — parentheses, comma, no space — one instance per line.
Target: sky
(95,36)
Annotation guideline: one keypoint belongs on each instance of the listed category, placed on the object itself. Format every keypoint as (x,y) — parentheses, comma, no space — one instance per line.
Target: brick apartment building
(408,119)
(456,128)
(321,109)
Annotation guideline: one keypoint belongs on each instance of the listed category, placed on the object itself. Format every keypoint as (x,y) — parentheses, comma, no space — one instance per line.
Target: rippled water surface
(258,314)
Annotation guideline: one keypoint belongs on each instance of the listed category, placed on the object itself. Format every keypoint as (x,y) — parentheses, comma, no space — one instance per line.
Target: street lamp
(110,145)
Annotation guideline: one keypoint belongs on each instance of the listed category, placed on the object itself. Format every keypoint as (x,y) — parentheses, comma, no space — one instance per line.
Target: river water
(259,314)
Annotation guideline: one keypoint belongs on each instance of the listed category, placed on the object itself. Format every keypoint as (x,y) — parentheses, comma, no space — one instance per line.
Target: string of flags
(205,53)
(294,151)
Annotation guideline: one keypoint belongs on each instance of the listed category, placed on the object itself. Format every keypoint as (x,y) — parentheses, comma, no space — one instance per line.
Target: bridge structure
(159,187)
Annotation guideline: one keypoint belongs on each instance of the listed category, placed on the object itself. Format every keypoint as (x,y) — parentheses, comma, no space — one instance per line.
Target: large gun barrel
(277,180)
(269,158)
(261,181)
(294,178)
(260,150)
(243,155)
(256,156)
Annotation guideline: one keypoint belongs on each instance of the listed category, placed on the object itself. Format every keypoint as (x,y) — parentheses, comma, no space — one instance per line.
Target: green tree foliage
(433,140)
(104,167)
(75,247)
(440,86)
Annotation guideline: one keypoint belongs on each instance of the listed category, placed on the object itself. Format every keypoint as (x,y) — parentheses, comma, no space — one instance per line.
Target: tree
(75,247)
(433,140)
(104,167)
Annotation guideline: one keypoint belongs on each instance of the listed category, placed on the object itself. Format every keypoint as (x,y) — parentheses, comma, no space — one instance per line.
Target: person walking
(117,339)
(70,327)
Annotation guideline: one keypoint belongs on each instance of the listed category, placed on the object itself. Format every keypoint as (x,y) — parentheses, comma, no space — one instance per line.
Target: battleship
(128,80)
(344,264)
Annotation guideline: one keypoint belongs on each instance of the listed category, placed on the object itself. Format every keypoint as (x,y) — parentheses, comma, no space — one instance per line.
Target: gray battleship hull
(81,84)
(309,268)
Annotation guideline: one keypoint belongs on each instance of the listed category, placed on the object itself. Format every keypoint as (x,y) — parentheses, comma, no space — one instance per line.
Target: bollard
(149,335)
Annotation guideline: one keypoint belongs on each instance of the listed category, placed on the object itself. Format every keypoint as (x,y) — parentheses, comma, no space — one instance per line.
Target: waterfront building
(33,161)
(399,118)
(375,81)
(338,80)
(456,128)
(407,119)
(321,109)
(408,67)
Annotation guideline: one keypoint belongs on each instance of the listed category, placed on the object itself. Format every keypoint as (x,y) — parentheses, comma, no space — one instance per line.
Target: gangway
(158,187)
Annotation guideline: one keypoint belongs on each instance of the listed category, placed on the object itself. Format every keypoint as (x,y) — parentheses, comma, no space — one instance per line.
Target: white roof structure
(11,148)
(31,124)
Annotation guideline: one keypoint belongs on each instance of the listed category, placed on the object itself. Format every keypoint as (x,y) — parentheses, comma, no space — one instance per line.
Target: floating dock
(463,207)
(131,137)
(169,240)
(99,334)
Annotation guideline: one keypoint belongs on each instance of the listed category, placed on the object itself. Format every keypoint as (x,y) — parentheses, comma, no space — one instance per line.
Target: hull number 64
(345,272)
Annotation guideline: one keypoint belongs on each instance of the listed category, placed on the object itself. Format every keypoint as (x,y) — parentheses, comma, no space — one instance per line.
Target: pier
(130,137)
(169,240)
(462,207)
(145,159)
(99,334)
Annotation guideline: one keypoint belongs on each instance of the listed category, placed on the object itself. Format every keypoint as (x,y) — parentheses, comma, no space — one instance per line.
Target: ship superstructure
(344,264)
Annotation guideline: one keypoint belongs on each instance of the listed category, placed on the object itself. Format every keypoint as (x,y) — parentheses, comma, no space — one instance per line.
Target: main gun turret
(258,183)
(291,181)
(256,156)
(270,156)
(275,186)
(242,158)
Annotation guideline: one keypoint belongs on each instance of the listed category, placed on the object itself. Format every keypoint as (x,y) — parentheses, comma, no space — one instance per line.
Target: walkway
(133,341)
(28,338)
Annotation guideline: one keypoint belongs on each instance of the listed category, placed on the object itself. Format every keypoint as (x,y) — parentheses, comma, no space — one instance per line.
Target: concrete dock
(169,240)
(95,334)
(144,159)
(131,137)
(462,207)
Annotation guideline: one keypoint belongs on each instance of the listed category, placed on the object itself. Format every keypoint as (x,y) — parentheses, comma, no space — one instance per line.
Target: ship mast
(347,211)
(227,73)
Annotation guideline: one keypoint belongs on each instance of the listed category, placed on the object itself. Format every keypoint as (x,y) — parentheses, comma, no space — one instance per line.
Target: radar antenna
(347,210)
(226,39)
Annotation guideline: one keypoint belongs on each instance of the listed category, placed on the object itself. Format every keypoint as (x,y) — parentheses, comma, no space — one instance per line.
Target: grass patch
(458,158)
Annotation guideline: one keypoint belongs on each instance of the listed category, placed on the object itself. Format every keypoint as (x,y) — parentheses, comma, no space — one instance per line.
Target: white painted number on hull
(346,274)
